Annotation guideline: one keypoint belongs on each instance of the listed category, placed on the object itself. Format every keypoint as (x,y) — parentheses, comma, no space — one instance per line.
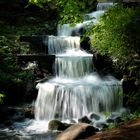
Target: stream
(76,91)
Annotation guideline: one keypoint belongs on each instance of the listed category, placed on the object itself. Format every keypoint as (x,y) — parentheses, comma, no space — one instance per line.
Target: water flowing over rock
(64,30)
(77,90)
(89,19)
(69,98)
(76,93)
(73,64)
(59,44)
(104,6)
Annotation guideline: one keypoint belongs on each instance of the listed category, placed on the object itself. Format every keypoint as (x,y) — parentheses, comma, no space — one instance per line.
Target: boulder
(84,119)
(18,116)
(77,131)
(57,125)
(29,113)
(100,125)
(94,116)
(114,118)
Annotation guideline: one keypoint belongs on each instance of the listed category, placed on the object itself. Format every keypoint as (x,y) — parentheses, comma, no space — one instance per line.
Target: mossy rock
(57,125)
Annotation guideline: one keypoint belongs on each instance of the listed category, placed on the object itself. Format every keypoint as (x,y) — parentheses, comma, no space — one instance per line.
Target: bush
(13,79)
(117,35)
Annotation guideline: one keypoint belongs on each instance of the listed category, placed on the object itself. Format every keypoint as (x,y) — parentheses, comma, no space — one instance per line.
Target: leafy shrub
(1,97)
(13,79)
(117,35)
(70,11)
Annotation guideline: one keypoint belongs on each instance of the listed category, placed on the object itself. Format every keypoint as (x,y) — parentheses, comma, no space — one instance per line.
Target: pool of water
(27,130)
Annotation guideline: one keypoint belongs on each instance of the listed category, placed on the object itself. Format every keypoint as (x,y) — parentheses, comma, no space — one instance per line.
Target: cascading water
(59,44)
(104,6)
(63,98)
(76,90)
(90,18)
(73,64)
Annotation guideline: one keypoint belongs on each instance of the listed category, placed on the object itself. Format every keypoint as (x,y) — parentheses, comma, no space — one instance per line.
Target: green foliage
(10,69)
(70,11)
(117,34)
(135,114)
(8,47)
(30,20)
(106,114)
(132,98)
(13,78)
(111,126)
(27,29)
(1,97)
(124,119)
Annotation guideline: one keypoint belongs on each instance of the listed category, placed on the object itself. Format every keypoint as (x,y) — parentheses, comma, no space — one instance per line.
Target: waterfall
(59,44)
(93,17)
(73,64)
(104,6)
(64,30)
(62,98)
(76,90)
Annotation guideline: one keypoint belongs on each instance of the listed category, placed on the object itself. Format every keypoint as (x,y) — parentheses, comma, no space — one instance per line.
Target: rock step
(40,42)
(35,57)
(44,61)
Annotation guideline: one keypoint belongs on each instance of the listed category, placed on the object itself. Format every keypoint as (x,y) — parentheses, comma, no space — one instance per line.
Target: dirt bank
(129,131)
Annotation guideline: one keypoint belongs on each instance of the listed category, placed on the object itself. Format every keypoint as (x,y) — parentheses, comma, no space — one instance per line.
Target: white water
(64,30)
(73,64)
(104,6)
(90,18)
(76,90)
(59,44)
(63,98)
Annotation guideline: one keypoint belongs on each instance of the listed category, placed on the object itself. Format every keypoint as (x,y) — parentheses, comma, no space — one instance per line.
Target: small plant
(117,35)
(135,114)
(111,126)
(1,97)
(106,114)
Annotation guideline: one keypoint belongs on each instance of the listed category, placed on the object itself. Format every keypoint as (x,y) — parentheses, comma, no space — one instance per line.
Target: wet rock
(94,116)
(8,123)
(118,119)
(18,116)
(38,41)
(92,5)
(72,121)
(100,125)
(6,114)
(57,125)
(109,120)
(29,113)
(10,111)
(85,43)
(124,112)
(114,120)
(77,131)
(84,119)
